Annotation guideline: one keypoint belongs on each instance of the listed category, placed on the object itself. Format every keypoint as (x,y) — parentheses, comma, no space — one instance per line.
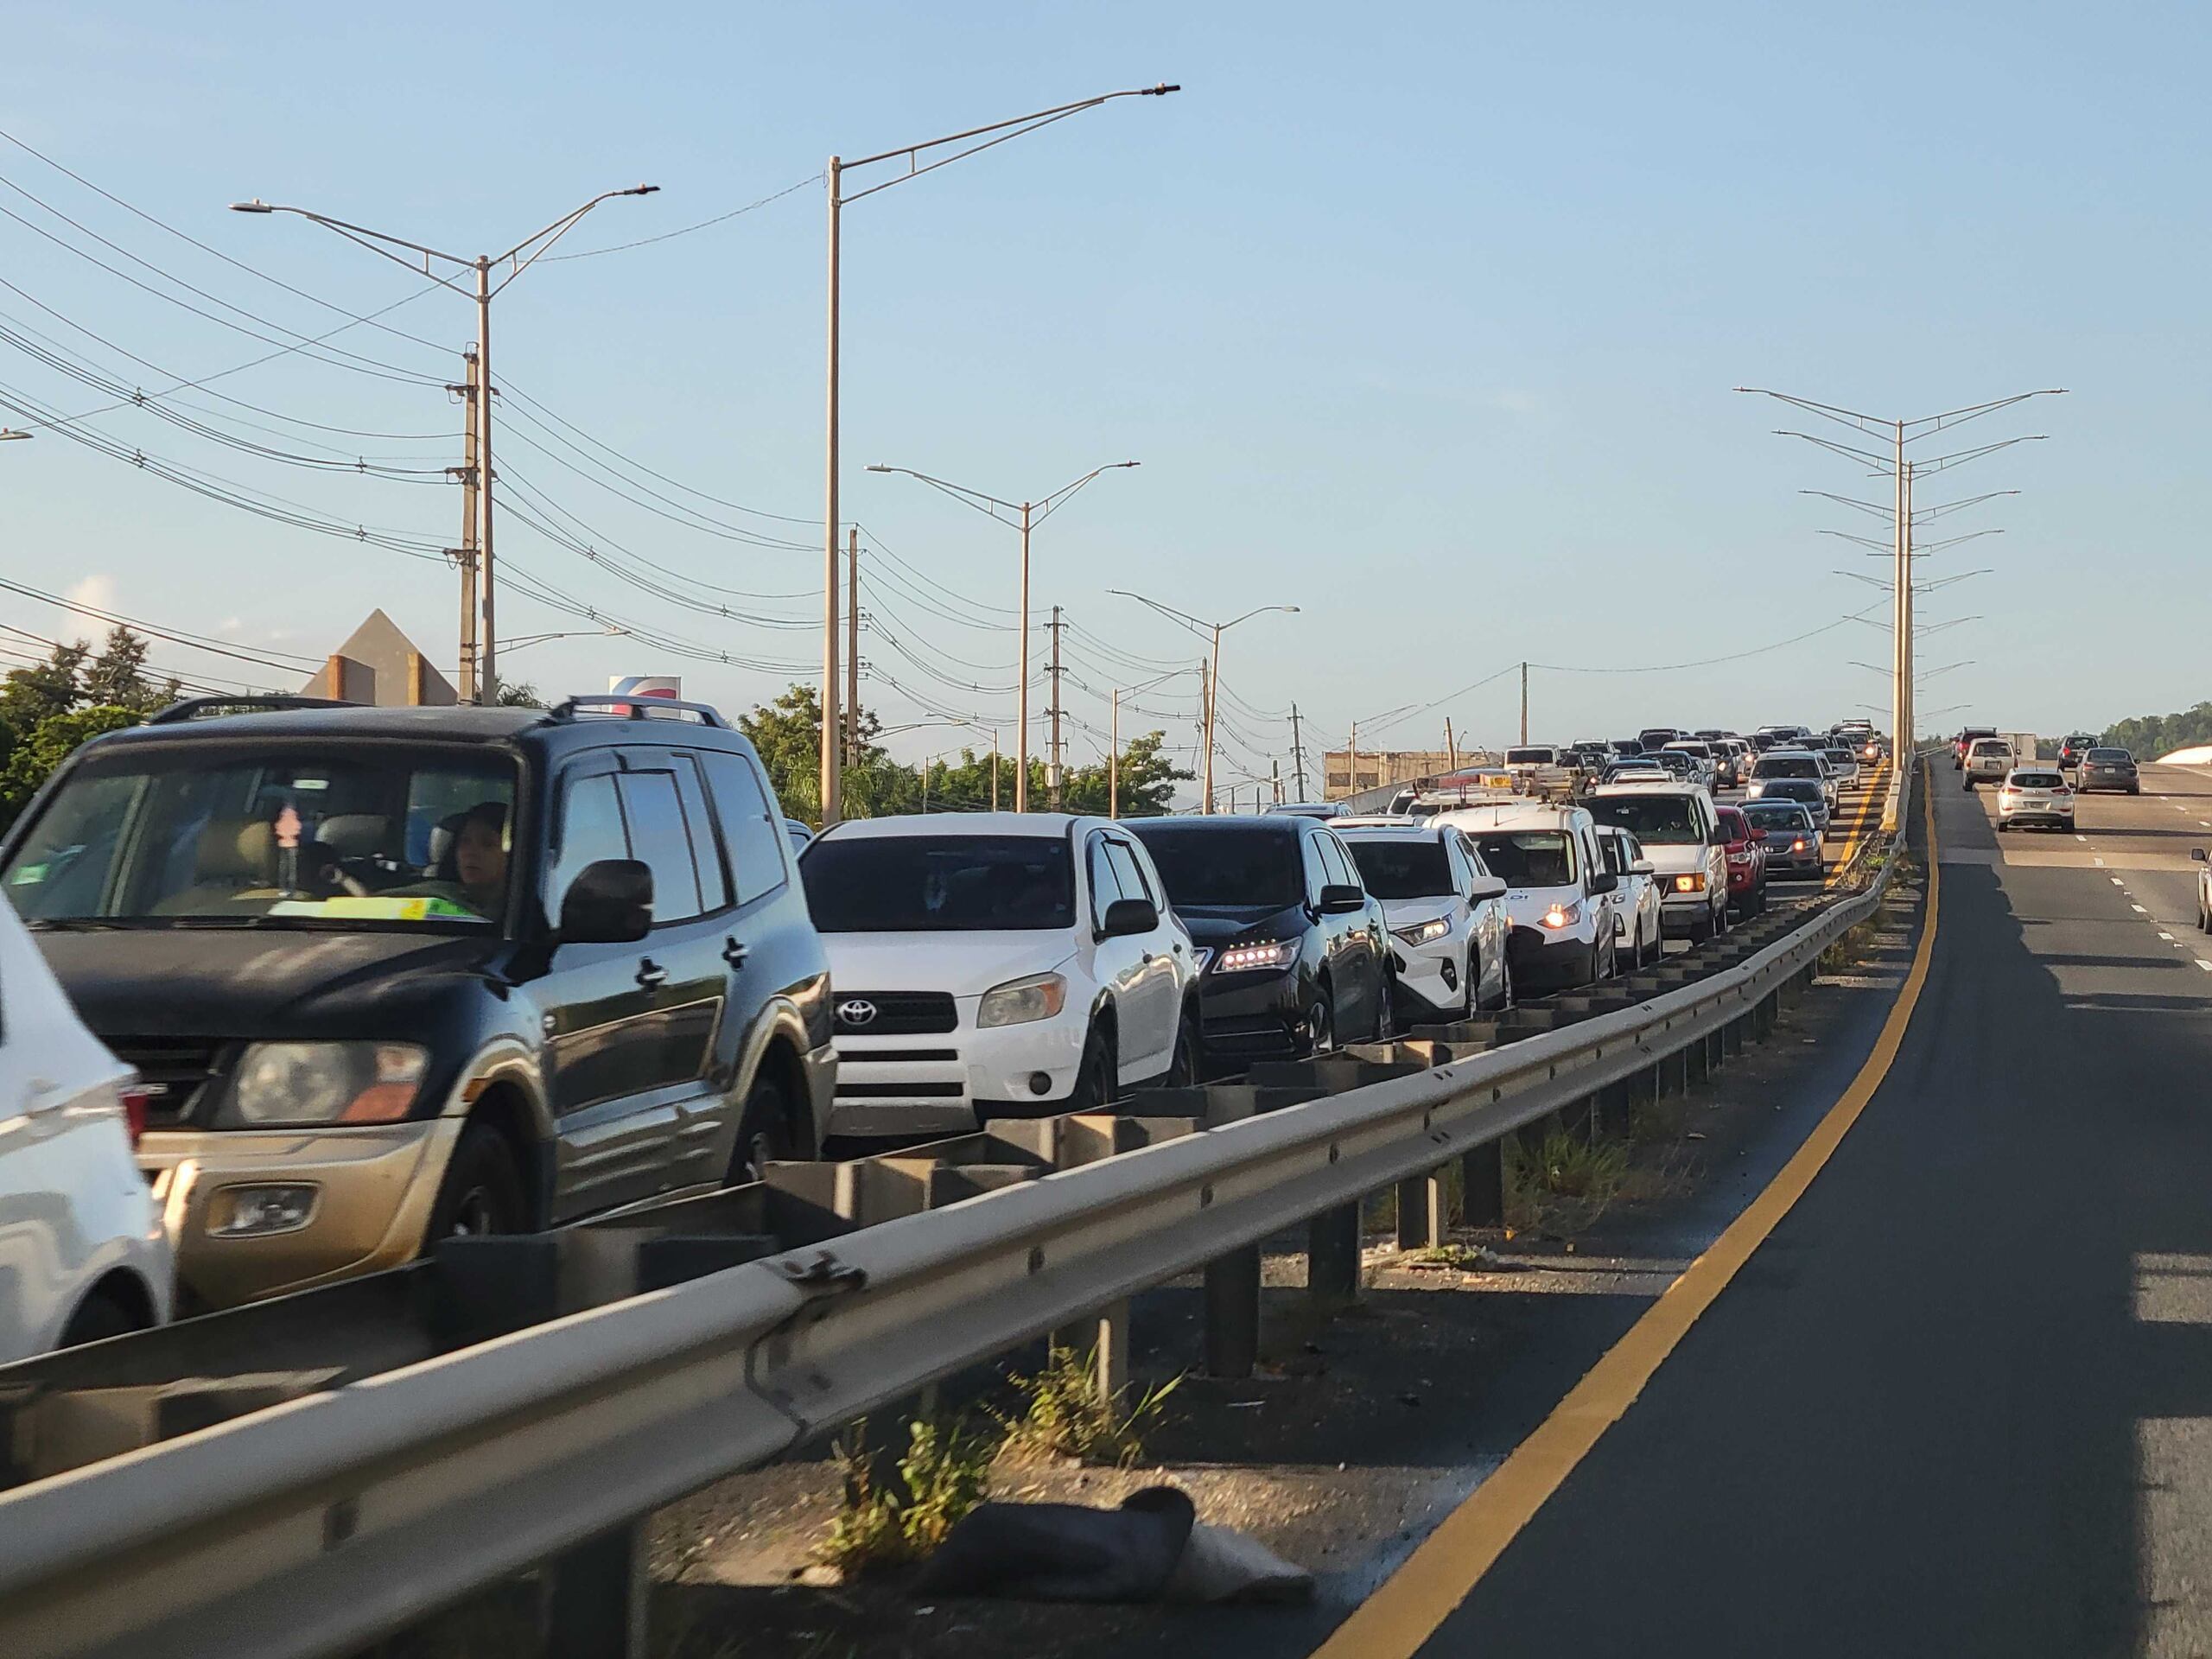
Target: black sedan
(2111,771)
(1295,952)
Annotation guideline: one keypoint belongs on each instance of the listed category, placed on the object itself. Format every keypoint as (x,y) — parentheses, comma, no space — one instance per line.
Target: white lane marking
(2138,910)
(2206,966)
(2168,937)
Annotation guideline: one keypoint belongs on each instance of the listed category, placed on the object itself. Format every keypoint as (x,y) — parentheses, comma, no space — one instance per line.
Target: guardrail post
(1233,1313)
(1111,1355)
(595,1598)
(1333,1255)
(1422,1203)
(1694,1068)
(1482,1185)
(1734,1033)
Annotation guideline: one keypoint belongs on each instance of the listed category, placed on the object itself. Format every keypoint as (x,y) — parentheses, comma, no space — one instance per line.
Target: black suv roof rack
(204,708)
(631,706)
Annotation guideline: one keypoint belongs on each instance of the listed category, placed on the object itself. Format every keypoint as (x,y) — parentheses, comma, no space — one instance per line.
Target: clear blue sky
(1421,318)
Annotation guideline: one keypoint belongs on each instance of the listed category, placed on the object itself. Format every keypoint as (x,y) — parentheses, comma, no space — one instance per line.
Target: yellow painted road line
(1409,1606)
(1869,812)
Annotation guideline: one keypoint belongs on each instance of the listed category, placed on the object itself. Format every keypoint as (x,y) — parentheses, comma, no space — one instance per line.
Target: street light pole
(1033,513)
(1213,680)
(524,254)
(997,132)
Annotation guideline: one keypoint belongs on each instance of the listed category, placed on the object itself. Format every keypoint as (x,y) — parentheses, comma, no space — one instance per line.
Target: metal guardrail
(325,1522)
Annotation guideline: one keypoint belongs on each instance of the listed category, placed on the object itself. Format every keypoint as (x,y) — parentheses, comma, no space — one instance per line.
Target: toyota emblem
(857,1012)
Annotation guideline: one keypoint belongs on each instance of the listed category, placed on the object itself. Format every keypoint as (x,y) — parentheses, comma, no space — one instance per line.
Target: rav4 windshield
(938,883)
(329,835)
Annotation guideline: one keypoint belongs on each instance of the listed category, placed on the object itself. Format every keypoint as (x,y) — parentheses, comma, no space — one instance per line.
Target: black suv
(1294,952)
(394,974)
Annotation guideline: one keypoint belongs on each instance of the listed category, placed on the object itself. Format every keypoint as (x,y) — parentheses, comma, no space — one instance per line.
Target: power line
(153,630)
(704,224)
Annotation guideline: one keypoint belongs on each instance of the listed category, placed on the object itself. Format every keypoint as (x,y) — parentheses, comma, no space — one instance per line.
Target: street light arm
(1012,128)
(1889,514)
(560,227)
(1887,550)
(1259,610)
(360,233)
(1052,503)
(1883,464)
(1959,458)
(1926,515)
(1870,424)
(1204,630)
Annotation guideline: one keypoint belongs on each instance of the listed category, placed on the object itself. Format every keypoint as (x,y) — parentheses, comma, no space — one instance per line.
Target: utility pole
(1297,753)
(1524,705)
(488,649)
(1352,773)
(994,768)
(1275,775)
(465,555)
(853,649)
(831,781)
(1114,761)
(1053,774)
(1901,583)
(1450,748)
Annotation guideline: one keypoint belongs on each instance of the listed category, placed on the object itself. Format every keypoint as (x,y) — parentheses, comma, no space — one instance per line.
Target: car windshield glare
(329,835)
(1403,867)
(2038,780)
(938,883)
(1205,867)
(1528,858)
(1786,766)
(1655,820)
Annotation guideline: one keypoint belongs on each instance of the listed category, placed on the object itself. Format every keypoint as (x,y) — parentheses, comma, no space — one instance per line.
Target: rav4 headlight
(1424,933)
(1020,1001)
(325,1083)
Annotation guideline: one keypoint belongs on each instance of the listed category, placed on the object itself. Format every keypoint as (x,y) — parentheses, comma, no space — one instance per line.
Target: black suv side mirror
(1127,916)
(1341,899)
(610,902)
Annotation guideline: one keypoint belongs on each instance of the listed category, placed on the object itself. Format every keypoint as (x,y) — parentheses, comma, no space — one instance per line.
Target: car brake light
(135,1098)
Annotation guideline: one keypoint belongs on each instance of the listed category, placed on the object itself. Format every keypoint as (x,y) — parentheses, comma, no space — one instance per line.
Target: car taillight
(136,1097)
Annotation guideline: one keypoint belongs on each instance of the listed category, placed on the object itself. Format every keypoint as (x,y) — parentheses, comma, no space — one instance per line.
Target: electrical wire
(153,630)
(704,224)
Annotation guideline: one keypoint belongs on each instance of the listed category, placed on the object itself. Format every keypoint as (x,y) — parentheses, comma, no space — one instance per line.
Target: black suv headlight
(280,1084)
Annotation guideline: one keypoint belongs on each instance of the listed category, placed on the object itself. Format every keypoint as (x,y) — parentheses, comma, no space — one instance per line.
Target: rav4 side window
(1105,885)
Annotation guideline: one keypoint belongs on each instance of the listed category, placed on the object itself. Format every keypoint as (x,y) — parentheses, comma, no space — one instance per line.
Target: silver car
(1989,759)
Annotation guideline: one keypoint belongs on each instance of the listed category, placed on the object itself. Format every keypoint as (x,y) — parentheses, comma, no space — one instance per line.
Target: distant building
(379,665)
(1380,766)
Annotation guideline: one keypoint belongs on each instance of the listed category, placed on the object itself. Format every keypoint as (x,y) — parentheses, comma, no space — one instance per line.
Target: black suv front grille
(175,1070)
(898,1014)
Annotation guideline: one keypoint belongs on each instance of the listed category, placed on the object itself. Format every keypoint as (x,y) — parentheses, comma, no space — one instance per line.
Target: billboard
(644,685)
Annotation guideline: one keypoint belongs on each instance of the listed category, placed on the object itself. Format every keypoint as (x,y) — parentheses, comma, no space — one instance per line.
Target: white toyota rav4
(993,964)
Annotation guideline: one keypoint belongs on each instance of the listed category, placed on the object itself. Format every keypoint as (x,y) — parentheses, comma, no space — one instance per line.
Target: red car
(1746,861)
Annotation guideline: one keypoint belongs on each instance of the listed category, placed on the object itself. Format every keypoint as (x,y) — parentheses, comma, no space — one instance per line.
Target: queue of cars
(290,990)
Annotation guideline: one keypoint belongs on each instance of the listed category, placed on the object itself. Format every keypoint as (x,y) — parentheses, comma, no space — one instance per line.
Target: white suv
(993,964)
(83,1253)
(1448,925)
(1679,833)
(1988,761)
(1556,878)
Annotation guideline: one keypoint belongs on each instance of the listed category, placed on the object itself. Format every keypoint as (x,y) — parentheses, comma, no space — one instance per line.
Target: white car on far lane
(996,964)
(83,1252)
(1446,913)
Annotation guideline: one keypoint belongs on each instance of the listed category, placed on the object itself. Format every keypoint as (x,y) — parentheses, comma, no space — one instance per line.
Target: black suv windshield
(1402,869)
(1786,766)
(1225,869)
(331,835)
(1782,815)
(938,883)
(1655,820)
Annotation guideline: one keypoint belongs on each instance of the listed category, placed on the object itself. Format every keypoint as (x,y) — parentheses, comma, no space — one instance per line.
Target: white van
(1556,878)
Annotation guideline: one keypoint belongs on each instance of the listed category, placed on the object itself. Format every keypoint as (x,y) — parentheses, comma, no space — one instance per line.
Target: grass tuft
(1068,1415)
(1566,1184)
(944,1477)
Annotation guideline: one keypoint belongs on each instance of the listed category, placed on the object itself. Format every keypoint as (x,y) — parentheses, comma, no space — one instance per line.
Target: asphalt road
(1959,1401)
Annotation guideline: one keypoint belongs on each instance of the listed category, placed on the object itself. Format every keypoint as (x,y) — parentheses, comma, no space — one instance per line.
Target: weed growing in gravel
(944,1474)
(1566,1184)
(1465,1257)
(1069,1415)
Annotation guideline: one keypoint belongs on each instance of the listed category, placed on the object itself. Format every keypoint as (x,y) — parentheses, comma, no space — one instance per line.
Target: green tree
(29,695)
(787,732)
(2149,736)
(118,678)
(517,694)
(34,758)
